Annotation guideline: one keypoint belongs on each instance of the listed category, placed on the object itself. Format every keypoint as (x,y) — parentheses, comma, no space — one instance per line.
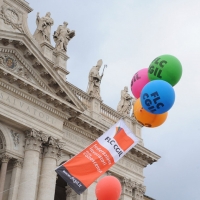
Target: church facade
(45,120)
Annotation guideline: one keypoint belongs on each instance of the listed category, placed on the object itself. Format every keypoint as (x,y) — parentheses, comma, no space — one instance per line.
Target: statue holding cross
(95,80)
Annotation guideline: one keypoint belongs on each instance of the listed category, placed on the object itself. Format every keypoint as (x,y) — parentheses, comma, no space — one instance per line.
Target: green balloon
(167,68)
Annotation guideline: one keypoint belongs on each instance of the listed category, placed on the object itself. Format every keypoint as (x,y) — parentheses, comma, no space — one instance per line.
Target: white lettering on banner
(99,156)
(28,109)
(88,155)
(103,153)
(72,178)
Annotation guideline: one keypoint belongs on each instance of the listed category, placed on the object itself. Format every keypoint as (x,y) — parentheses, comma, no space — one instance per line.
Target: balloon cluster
(153,89)
(108,188)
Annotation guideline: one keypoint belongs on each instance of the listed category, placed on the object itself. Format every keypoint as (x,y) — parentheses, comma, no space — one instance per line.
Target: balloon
(167,68)
(139,80)
(157,97)
(146,118)
(108,188)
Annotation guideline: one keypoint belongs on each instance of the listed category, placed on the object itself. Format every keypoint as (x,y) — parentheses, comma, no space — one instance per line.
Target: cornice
(145,154)
(80,130)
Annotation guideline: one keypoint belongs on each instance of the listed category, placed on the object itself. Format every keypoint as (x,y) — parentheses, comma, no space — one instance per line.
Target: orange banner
(84,168)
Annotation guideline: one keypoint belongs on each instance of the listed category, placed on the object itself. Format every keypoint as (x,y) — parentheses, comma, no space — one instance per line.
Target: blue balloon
(157,97)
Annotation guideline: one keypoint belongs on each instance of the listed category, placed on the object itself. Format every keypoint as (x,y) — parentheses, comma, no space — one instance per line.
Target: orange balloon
(146,118)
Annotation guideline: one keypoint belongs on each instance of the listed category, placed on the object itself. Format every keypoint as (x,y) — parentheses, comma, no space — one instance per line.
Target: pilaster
(135,128)
(95,106)
(60,65)
(47,50)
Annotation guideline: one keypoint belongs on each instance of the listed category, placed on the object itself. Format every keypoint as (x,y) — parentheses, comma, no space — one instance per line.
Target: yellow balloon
(146,118)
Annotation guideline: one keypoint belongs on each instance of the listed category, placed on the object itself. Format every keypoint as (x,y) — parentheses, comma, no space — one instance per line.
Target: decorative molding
(34,140)
(133,189)
(68,190)
(79,130)
(15,137)
(11,17)
(139,191)
(18,163)
(21,60)
(136,159)
(5,158)
(33,100)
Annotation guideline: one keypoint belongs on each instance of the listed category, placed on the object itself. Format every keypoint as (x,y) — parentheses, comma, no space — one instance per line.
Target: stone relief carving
(139,191)
(94,80)
(15,137)
(5,157)
(2,141)
(53,148)
(62,36)
(18,163)
(134,189)
(34,140)
(124,106)
(11,17)
(43,30)
(10,63)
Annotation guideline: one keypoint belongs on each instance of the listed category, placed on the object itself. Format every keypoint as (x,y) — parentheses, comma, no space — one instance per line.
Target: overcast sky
(128,35)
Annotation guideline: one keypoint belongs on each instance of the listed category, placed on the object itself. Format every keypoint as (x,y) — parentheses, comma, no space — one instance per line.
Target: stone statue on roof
(94,80)
(43,30)
(125,104)
(62,36)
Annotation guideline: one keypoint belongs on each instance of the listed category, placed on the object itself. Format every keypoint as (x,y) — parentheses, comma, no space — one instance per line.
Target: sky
(127,35)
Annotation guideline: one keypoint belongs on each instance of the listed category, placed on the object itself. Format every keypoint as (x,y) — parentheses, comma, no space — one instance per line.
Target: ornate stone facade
(46,120)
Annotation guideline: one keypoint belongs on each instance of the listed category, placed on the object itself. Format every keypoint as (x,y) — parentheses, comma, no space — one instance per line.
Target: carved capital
(68,190)
(128,186)
(5,158)
(18,163)
(139,191)
(53,148)
(34,140)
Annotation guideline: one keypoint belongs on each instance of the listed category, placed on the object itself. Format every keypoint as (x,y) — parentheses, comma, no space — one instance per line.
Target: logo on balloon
(153,104)
(157,97)
(156,71)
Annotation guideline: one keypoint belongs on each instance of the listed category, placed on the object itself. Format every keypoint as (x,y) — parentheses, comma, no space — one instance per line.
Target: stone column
(138,192)
(4,164)
(28,182)
(52,151)
(15,180)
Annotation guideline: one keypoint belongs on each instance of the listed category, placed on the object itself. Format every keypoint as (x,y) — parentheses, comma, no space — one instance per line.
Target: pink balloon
(139,80)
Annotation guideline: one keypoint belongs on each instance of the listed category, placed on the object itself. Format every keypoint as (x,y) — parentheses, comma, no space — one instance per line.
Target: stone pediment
(13,62)
(23,64)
